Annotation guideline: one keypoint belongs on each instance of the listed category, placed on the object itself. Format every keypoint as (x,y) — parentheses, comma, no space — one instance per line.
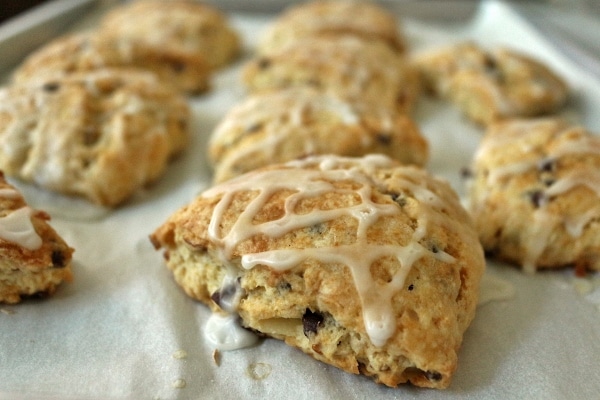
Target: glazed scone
(87,51)
(101,135)
(185,27)
(361,263)
(344,65)
(534,194)
(364,19)
(489,85)
(34,259)
(274,127)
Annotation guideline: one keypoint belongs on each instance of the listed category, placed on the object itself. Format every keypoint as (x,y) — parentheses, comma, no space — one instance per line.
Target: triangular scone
(34,259)
(491,85)
(362,263)
(102,135)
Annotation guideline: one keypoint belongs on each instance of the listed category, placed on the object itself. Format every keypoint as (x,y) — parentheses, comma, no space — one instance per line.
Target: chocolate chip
(398,199)
(225,297)
(466,173)
(51,87)
(411,287)
(384,138)
(311,321)
(537,198)
(58,259)
(433,375)
(255,127)
(547,165)
(264,63)
(177,66)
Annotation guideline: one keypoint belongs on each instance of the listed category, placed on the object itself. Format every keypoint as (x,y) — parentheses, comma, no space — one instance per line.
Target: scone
(364,19)
(361,263)
(534,194)
(491,85)
(101,135)
(87,51)
(34,259)
(279,126)
(343,65)
(184,27)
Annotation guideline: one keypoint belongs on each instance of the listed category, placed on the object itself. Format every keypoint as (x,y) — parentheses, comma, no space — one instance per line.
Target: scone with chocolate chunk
(34,259)
(343,65)
(181,26)
(363,19)
(361,263)
(102,135)
(88,51)
(535,194)
(283,125)
(488,85)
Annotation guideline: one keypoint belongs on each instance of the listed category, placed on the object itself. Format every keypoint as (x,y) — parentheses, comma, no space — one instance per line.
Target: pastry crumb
(216,355)
(258,371)
(180,354)
(7,311)
(179,383)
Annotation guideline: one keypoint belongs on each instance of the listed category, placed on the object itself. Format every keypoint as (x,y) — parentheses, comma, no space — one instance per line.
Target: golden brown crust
(363,19)
(491,85)
(534,194)
(101,135)
(283,125)
(185,27)
(35,270)
(320,302)
(344,65)
(88,51)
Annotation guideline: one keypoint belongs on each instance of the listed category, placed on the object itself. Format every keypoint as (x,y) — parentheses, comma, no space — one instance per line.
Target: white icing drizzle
(17,227)
(225,333)
(376,298)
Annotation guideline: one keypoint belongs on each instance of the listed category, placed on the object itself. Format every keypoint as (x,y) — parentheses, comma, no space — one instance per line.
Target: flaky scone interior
(361,263)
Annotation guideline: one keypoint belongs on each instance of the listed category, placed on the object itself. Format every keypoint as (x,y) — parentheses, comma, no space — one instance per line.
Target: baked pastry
(344,65)
(491,85)
(34,259)
(283,125)
(101,135)
(534,194)
(364,19)
(87,51)
(361,263)
(180,26)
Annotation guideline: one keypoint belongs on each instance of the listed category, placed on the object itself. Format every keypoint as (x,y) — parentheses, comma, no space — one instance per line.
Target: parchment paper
(124,330)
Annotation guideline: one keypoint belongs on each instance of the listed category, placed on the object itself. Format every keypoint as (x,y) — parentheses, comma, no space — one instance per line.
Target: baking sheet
(124,330)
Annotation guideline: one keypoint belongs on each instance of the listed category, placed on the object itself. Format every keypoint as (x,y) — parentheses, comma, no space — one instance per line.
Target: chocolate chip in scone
(433,375)
(58,259)
(51,87)
(264,63)
(384,138)
(398,199)
(311,321)
(254,127)
(538,198)
(547,165)
(466,173)
(225,297)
